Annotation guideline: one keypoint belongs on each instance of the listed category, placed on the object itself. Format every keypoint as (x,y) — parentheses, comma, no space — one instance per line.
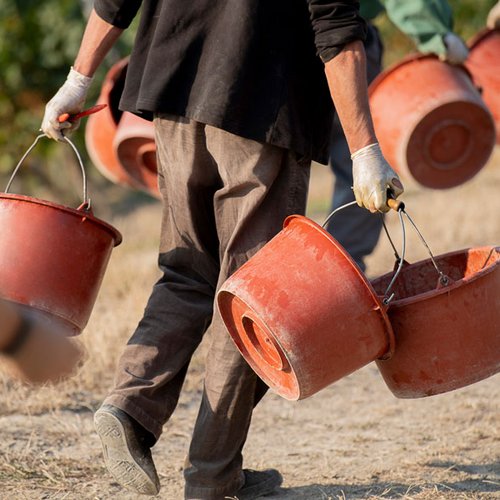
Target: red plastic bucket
(135,148)
(447,337)
(302,313)
(484,64)
(53,258)
(431,122)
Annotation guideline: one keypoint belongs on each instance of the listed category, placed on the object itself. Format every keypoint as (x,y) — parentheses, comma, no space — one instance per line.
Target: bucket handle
(86,200)
(399,207)
(392,203)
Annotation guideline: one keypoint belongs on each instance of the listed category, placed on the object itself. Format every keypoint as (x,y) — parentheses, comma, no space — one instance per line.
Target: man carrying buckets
(241,106)
(429,24)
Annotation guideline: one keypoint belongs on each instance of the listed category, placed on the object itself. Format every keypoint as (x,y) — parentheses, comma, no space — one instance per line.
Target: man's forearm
(97,40)
(346,74)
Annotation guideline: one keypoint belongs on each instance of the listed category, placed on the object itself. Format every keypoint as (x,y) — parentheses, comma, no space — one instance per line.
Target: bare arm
(373,177)
(346,75)
(98,38)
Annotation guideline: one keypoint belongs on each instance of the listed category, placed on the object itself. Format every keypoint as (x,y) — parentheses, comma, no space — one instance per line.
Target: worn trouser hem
(197,492)
(136,412)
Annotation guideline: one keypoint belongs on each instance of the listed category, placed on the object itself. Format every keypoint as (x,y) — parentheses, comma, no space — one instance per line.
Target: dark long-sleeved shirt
(251,67)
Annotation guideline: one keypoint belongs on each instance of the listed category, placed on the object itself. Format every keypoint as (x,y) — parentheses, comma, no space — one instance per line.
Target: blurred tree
(38,44)
(38,41)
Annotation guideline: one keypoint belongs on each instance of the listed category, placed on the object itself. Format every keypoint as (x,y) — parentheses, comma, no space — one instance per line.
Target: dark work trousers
(224,197)
(355,228)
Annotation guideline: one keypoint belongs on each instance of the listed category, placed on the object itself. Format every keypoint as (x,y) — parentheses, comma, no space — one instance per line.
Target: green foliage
(38,41)
(38,44)
(470,15)
(469,18)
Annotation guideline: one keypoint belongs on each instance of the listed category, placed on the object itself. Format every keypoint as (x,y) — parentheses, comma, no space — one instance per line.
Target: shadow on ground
(384,490)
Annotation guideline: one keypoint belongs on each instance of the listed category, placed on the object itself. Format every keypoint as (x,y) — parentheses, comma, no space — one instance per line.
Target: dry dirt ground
(353,440)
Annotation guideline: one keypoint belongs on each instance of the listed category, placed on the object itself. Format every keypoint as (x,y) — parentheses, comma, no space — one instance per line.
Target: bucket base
(431,121)
(445,150)
(301,312)
(258,345)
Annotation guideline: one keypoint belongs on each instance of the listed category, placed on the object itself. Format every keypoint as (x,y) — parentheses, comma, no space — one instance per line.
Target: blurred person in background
(32,351)
(241,105)
(429,24)
(493,19)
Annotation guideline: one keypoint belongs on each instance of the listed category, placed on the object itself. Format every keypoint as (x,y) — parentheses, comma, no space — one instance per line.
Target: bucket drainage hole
(264,344)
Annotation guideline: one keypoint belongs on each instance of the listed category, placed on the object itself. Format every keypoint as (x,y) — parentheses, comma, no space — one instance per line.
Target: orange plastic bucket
(484,64)
(447,337)
(135,148)
(53,258)
(121,144)
(101,128)
(302,313)
(431,122)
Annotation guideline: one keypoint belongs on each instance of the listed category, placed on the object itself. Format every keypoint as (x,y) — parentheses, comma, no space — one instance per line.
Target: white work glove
(456,50)
(70,98)
(493,20)
(373,177)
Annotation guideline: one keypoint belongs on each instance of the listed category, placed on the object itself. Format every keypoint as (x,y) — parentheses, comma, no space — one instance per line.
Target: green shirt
(424,21)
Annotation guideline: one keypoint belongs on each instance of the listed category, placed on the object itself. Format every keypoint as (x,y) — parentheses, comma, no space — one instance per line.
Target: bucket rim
(131,126)
(110,79)
(391,339)
(111,170)
(117,237)
(410,58)
(396,303)
(482,35)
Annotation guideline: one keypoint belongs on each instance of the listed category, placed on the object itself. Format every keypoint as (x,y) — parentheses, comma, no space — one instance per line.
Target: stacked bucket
(436,121)
(121,144)
(302,313)
(303,316)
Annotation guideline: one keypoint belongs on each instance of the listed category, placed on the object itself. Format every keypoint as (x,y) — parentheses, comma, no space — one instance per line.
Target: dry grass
(351,441)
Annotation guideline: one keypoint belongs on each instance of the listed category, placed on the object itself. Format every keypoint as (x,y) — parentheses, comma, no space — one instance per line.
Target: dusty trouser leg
(152,369)
(262,184)
(355,228)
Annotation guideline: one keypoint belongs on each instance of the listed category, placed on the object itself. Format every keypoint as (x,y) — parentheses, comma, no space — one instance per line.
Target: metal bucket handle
(86,200)
(399,207)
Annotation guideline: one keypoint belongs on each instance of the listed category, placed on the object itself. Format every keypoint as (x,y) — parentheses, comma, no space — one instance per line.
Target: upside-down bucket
(484,64)
(53,258)
(102,129)
(135,148)
(302,313)
(431,122)
(447,334)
